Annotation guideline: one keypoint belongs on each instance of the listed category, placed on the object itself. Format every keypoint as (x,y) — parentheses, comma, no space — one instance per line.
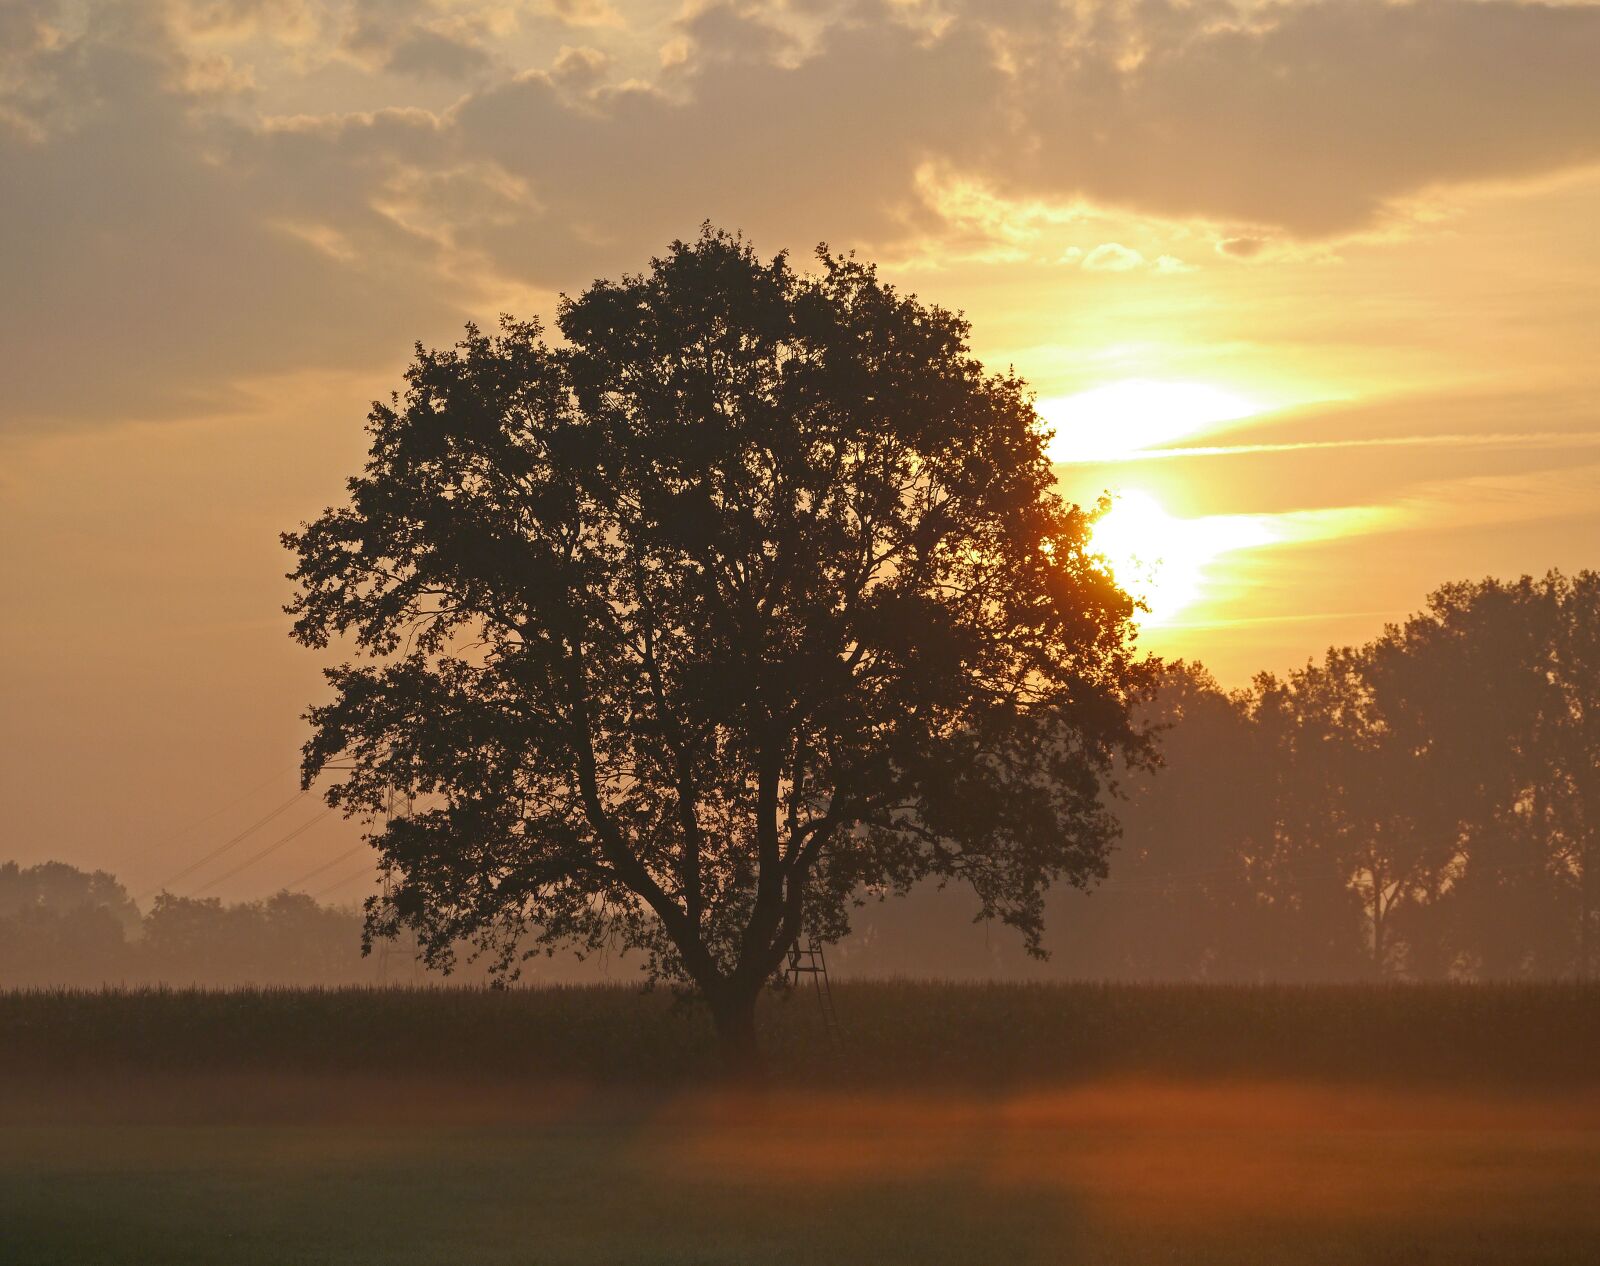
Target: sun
(1163,559)
(1116,421)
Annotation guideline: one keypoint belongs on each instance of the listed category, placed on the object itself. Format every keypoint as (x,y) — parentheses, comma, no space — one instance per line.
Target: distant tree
(285,939)
(1493,692)
(308,943)
(1308,920)
(1426,804)
(1575,795)
(1181,903)
(57,888)
(62,926)
(199,941)
(753,593)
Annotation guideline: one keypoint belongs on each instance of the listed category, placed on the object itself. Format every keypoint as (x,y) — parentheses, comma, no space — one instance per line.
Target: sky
(1312,288)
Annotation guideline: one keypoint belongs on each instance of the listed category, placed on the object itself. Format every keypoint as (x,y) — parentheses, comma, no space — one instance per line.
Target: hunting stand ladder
(810,961)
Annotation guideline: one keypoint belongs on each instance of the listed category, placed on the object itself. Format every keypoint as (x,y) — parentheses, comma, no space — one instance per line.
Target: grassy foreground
(898,1034)
(1101,1127)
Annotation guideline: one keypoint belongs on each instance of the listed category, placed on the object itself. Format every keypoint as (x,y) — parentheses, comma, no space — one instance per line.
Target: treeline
(63,926)
(1426,806)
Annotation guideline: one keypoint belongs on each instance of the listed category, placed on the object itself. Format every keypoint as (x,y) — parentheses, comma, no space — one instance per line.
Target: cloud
(1112,257)
(828,149)
(579,69)
(181,236)
(1307,120)
(142,276)
(291,20)
(1312,118)
(584,12)
(1565,441)
(1241,247)
(427,53)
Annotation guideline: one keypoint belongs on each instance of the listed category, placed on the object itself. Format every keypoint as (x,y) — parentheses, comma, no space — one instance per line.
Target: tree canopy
(750,595)
(61,926)
(1424,806)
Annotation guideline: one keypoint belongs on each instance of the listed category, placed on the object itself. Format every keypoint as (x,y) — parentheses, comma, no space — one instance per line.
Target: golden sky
(1315,287)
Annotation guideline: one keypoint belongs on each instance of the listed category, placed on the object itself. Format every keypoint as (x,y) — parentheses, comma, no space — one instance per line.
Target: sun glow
(1116,421)
(1163,559)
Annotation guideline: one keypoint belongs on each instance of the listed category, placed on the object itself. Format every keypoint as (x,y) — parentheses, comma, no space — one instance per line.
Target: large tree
(751,594)
(1493,691)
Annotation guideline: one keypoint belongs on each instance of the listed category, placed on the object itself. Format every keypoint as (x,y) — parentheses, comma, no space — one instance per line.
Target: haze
(1313,287)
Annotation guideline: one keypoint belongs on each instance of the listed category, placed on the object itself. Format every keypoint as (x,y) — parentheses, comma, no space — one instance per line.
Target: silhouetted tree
(752,593)
(1307,923)
(286,939)
(62,926)
(1575,792)
(1494,692)
(198,940)
(1180,903)
(57,888)
(1422,806)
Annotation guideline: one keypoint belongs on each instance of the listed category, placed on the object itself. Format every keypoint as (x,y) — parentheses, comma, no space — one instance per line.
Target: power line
(170,834)
(328,865)
(270,848)
(223,848)
(363,873)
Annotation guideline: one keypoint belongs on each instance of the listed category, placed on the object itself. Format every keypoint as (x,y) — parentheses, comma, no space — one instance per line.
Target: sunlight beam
(1118,420)
(1162,559)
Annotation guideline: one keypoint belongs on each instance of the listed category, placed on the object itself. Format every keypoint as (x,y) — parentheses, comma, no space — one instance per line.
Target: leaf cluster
(748,596)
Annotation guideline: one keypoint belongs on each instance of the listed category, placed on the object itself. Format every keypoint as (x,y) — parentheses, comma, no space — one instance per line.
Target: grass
(1069,1125)
(897,1033)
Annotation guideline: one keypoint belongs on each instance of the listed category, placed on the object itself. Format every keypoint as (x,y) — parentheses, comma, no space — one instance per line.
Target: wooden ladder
(809,960)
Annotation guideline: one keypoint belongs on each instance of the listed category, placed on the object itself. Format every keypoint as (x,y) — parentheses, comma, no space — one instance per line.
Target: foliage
(751,594)
(55,888)
(1425,806)
(60,924)
(63,926)
(287,937)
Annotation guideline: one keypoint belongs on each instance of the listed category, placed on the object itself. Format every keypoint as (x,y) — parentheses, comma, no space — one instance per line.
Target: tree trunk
(737,1046)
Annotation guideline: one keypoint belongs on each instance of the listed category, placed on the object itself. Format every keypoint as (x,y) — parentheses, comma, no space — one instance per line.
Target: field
(1116,1125)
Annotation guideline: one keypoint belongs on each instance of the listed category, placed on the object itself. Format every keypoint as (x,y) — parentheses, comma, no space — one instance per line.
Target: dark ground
(1349,1127)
